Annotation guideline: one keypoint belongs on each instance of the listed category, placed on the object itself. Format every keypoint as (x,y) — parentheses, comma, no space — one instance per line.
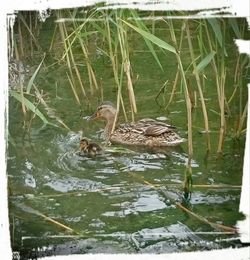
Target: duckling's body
(146,132)
(90,149)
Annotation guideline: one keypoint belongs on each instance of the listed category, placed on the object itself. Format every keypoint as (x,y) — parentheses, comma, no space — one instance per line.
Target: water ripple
(147,202)
(72,183)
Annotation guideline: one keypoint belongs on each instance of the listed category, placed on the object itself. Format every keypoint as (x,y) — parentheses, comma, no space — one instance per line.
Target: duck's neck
(108,128)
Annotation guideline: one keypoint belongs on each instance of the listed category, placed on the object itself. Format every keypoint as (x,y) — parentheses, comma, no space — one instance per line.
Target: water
(120,201)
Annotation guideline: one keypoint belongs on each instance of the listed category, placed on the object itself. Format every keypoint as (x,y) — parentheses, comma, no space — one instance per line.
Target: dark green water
(108,200)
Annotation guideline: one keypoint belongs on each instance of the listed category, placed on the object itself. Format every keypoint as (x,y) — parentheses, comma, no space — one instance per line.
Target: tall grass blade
(30,83)
(202,65)
(233,23)
(217,30)
(157,41)
(141,25)
(218,33)
(29,105)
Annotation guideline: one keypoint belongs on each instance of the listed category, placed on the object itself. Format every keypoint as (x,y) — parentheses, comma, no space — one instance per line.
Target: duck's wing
(156,130)
(151,122)
(147,127)
(152,127)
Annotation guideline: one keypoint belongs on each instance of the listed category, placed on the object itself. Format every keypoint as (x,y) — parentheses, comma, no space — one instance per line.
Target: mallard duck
(145,132)
(90,149)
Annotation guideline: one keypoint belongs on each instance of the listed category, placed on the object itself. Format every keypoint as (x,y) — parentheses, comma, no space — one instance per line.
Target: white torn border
(244,225)
(205,8)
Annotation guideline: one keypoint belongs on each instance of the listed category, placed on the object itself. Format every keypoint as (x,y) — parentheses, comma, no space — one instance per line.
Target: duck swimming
(145,132)
(90,149)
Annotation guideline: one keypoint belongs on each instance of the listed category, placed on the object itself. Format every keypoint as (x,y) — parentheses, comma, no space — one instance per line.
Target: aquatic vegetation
(149,65)
(111,31)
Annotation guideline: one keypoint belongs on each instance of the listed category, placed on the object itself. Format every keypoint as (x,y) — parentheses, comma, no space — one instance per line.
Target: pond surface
(123,201)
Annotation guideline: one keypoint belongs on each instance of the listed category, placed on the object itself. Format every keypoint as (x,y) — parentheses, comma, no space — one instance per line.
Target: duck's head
(106,111)
(84,144)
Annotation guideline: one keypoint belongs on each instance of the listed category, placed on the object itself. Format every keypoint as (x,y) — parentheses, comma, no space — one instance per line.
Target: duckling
(145,132)
(90,149)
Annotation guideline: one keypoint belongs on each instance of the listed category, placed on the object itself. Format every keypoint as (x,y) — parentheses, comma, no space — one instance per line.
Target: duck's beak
(92,117)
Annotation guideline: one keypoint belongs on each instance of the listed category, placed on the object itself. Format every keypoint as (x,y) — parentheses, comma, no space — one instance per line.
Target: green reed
(123,43)
(179,48)
(69,56)
(113,44)
(199,84)
(167,47)
(219,72)
(113,30)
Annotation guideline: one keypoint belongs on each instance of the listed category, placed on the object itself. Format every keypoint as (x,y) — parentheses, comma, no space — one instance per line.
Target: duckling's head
(106,111)
(84,144)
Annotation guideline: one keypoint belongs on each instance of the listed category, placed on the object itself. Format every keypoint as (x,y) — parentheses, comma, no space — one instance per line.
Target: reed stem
(177,75)
(189,109)
(197,77)
(123,42)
